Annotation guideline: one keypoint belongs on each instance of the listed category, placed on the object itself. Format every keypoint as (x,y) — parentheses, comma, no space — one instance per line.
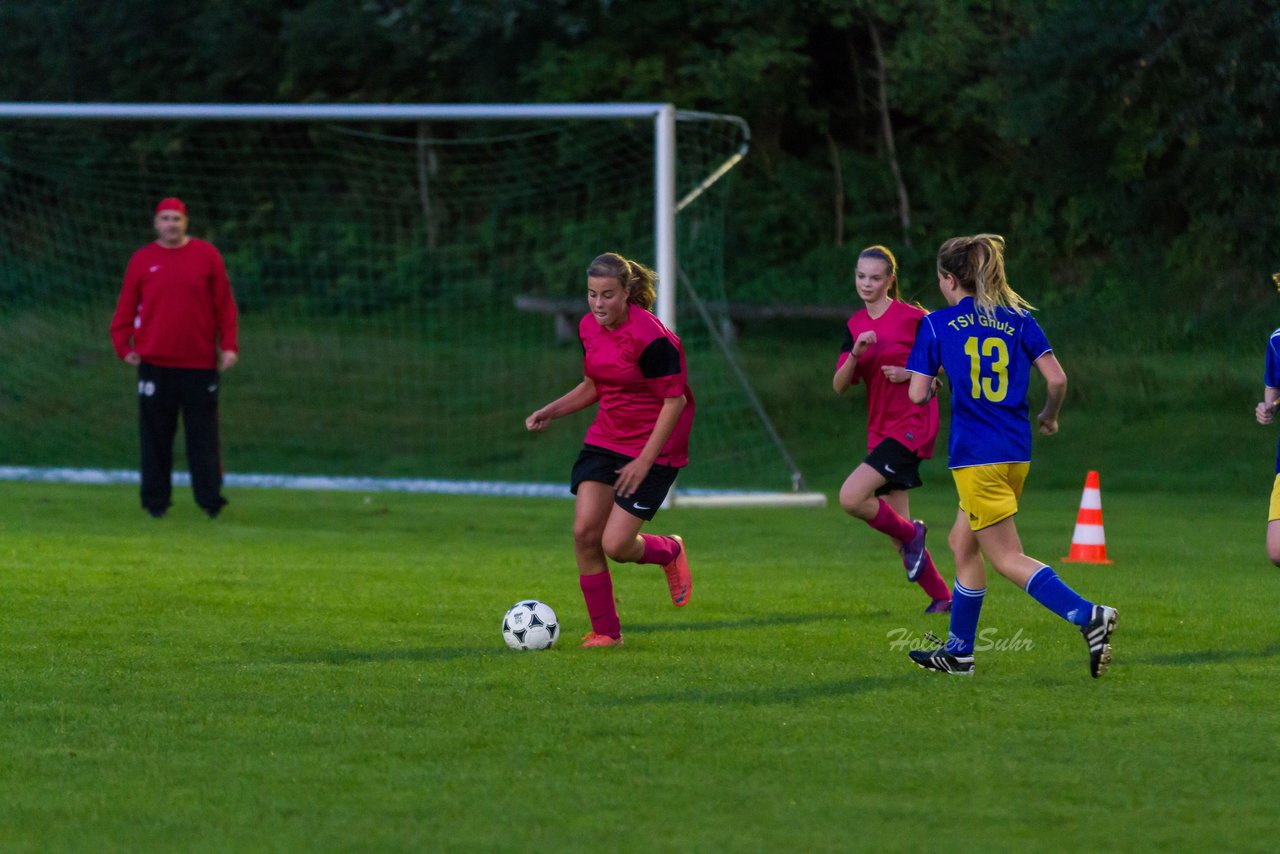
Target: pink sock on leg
(888,522)
(597,590)
(659,550)
(931,581)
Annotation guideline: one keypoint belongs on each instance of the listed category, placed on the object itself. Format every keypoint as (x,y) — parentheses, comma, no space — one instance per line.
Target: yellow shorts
(1274,513)
(989,494)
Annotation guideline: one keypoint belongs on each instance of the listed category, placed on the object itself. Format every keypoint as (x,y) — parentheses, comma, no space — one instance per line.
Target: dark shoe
(941,660)
(939,606)
(155,513)
(1097,633)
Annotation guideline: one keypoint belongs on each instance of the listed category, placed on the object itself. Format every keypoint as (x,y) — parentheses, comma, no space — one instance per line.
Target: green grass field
(325,672)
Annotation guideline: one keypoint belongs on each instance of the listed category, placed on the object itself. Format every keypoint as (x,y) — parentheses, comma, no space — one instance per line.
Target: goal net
(409,288)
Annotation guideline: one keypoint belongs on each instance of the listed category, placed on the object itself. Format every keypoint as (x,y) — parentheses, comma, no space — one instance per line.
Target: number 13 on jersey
(993,354)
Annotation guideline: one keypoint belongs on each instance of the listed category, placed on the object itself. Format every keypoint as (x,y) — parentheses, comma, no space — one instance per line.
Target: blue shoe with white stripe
(1097,633)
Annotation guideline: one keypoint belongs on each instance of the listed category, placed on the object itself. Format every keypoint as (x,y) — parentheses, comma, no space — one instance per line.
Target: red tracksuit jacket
(176,305)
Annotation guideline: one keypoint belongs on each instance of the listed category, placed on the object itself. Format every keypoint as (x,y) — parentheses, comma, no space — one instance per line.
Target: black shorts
(601,465)
(897,464)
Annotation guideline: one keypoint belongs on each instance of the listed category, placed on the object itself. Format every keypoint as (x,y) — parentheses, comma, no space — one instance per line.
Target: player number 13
(996,355)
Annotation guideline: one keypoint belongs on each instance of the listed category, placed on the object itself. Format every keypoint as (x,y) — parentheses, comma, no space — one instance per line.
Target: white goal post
(666,205)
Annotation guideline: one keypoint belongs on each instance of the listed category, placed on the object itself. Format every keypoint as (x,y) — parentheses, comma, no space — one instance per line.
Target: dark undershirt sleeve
(660,358)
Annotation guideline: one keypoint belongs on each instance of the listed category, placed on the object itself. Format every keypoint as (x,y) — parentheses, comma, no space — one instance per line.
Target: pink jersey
(890,413)
(635,367)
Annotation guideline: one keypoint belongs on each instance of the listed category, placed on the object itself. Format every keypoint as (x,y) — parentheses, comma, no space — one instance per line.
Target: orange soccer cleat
(679,581)
(592,639)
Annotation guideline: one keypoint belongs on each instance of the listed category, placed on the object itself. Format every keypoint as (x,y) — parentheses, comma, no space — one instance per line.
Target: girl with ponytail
(635,368)
(900,434)
(987,342)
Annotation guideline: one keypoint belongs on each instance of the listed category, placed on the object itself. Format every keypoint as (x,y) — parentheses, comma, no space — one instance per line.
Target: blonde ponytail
(977,263)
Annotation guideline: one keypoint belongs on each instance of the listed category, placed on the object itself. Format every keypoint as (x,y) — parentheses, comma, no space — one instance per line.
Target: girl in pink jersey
(900,434)
(635,368)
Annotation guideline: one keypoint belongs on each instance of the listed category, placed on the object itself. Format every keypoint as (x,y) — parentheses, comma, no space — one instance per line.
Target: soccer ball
(530,625)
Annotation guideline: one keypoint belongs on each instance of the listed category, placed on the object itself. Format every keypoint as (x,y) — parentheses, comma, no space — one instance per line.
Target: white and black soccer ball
(530,625)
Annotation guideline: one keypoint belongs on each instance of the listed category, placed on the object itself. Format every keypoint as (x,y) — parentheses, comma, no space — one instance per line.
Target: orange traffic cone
(1088,544)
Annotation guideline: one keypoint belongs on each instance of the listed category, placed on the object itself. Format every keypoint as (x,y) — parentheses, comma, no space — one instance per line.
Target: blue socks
(966,605)
(1049,590)
(1045,587)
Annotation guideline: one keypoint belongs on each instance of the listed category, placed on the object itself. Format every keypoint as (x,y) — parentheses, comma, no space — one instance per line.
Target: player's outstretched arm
(844,374)
(896,373)
(843,378)
(631,475)
(580,397)
(921,388)
(1265,411)
(1056,392)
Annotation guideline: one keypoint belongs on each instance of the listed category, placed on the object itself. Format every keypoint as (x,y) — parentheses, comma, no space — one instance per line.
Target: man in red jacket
(176,321)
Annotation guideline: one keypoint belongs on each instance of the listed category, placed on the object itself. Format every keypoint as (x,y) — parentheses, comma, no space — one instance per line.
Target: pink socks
(931,580)
(888,522)
(659,550)
(597,590)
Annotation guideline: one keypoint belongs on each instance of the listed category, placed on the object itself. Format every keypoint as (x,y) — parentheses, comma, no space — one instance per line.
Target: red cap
(172,204)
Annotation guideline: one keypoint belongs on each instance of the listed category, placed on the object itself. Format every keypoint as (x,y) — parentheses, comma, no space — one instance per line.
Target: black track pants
(162,393)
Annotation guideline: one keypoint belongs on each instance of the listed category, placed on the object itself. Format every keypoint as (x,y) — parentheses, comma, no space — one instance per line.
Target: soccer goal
(409,279)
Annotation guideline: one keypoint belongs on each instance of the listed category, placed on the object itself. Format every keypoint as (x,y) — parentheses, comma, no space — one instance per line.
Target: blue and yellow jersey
(988,360)
(1271,378)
